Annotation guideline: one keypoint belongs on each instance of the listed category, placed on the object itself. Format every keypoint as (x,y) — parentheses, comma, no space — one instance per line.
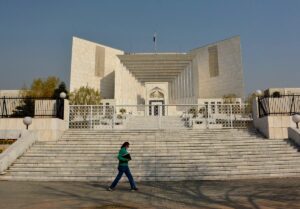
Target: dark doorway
(157,108)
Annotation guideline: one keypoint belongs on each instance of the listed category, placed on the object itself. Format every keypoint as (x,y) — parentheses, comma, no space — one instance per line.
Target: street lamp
(296,119)
(62,95)
(258,92)
(27,121)
(60,105)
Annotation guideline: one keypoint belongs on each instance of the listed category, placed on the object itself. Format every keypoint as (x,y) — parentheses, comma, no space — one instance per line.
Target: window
(213,61)
(99,61)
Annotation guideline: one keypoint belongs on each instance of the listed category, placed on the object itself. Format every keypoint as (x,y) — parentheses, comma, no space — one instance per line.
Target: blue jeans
(126,170)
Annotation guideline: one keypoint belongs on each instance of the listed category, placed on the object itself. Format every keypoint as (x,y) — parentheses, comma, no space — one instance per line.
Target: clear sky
(35,35)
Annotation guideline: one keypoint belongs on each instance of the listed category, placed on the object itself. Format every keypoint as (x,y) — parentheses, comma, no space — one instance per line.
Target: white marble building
(123,78)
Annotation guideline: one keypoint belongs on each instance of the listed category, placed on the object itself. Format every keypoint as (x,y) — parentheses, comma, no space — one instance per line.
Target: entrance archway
(156,102)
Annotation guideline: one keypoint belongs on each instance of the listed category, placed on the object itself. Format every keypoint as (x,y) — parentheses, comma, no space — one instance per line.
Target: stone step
(159,154)
(236,130)
(164,144)
(170,141)
(152,148)
(151,173)
(173,142)
(199,141)
(165,152)
(154,161)
(162,135)
(182,133)
(171,153)
(104,162)
(109,179)
(180,167)
(158,132)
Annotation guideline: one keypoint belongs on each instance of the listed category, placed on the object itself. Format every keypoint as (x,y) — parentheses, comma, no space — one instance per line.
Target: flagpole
(154,40)
(155,48)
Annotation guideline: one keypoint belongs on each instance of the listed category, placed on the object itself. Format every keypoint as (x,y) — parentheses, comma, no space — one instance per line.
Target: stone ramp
(158,155)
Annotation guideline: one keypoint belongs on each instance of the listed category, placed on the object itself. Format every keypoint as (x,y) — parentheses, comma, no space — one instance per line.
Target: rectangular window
(213,61)
(99,61)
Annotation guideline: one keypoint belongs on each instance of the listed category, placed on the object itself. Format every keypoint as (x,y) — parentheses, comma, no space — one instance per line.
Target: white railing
(159,116)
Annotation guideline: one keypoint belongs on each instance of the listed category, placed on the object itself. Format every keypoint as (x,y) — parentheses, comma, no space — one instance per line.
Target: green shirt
(123,161)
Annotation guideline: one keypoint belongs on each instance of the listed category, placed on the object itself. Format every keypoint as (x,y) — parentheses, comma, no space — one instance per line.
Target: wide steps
(88,155)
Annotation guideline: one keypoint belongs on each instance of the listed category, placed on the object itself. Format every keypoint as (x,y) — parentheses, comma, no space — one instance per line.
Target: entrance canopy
(158,67)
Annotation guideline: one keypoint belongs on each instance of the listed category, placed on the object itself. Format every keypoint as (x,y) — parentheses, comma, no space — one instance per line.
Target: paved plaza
(271,193)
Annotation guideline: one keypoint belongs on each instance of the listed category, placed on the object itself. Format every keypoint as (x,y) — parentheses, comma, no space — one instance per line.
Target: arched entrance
(156,102)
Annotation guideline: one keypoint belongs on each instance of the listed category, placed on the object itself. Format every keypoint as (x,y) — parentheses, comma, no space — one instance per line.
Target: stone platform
(275,193)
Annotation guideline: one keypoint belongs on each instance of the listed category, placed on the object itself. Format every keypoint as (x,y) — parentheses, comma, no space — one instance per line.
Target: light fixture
(258,92)
(27,121)
(296,119)
(62,95)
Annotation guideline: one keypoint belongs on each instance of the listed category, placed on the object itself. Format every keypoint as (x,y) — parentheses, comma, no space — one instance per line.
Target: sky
(36,35)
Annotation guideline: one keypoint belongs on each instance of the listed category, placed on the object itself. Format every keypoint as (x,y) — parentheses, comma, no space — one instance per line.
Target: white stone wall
(283,91)
(294,134)
(83,67)
(47,129)
(9,93)
(272,127)
(230,78)
(162,85)
(107,83)
(128,90)
(194,82)
(17,149)
(182,89)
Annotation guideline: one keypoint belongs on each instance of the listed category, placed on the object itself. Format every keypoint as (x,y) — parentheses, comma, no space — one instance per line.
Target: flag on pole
(154,41)
(154,38)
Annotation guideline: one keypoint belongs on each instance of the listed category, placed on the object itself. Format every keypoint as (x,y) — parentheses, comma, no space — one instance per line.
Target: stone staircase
(154,122)
(142,122)
(172,122)
(158,155)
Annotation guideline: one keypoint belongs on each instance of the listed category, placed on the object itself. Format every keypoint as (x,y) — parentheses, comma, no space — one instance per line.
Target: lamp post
(258,92)
(296,119)
(62,95)
(60,105)
(27,121)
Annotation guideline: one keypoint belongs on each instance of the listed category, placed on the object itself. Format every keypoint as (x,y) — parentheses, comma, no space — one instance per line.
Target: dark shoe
(109,189)
(134,189)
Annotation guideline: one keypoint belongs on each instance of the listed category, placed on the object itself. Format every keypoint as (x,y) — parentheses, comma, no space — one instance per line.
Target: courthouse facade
(126,78)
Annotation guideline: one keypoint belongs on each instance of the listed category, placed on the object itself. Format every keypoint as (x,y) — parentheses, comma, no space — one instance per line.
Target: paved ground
(275,193)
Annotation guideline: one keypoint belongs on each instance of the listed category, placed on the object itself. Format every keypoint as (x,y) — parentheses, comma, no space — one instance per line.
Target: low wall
(294,134)
(272,127)
(46,129)
(24,142)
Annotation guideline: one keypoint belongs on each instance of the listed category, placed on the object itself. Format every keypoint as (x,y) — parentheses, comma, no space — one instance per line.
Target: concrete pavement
(271,193)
